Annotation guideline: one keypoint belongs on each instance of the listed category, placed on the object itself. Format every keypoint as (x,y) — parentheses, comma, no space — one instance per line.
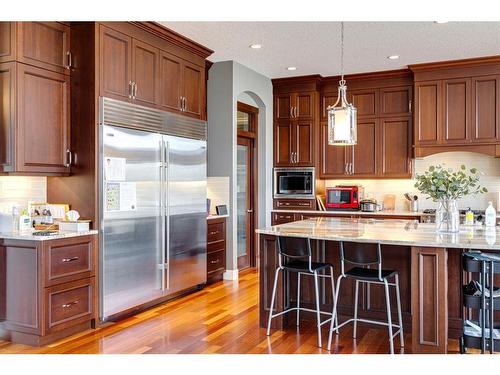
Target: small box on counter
(74,226)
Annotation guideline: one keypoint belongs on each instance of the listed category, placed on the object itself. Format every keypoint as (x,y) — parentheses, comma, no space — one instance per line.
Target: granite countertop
(30,237)
(361,213)
(389,232)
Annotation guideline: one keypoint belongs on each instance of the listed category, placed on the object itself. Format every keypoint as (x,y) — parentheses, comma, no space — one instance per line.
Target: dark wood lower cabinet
(430,287)
(47,288)
(216,248)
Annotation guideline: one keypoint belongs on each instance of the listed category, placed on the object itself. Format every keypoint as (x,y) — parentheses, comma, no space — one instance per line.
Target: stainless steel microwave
(294,183)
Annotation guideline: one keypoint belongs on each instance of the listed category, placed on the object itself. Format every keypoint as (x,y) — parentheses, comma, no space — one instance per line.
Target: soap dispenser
(469,217)
(491,216)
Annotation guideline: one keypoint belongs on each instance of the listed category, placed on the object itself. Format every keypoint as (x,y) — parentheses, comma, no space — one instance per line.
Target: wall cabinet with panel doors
(457,106)
(294,143)
(138,72)
(296,105)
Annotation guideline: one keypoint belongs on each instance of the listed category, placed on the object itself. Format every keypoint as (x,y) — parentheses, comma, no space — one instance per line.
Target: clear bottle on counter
(491,216)
(15,218)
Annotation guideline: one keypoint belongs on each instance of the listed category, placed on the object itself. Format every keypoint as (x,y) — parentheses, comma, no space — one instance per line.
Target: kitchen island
(429,264)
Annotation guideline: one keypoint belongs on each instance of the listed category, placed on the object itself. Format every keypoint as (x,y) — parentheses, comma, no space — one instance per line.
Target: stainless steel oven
(294,183)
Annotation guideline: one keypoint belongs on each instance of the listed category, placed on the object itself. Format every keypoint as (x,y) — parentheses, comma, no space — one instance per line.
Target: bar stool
(362,256)
(294,255)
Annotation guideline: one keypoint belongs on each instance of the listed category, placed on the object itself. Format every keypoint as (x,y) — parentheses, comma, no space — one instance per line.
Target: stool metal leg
(332,279)
(318,316)
(298,297)
(272,300)
(334,312)
(389,320)
(400,317)
(356,293)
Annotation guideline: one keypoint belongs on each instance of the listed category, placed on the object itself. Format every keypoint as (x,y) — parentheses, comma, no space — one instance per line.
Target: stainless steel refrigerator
(153,206)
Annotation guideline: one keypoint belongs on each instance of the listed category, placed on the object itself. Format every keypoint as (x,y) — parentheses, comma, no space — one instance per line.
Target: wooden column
(429,300)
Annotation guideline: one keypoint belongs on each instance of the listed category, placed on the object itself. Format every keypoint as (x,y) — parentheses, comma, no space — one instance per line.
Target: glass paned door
(244,196)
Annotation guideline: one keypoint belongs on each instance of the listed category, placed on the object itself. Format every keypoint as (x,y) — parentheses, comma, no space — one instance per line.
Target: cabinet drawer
(282,218)
(68,261)
(216,246)
(69,304)
(293,204)
(216,261)
(215,232)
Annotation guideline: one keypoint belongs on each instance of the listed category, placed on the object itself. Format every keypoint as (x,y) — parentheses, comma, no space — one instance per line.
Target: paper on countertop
(114,168)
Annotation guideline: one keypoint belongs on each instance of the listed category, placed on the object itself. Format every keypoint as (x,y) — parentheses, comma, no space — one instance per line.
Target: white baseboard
(230,275)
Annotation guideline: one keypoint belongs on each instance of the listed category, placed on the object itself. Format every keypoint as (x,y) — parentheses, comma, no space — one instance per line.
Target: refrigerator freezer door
(186,213)
(131,243)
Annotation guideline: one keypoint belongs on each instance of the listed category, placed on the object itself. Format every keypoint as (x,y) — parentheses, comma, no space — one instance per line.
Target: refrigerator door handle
(167,210)
(162,214)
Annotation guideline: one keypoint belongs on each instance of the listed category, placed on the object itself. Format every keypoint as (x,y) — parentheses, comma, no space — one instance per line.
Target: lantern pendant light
(342,115)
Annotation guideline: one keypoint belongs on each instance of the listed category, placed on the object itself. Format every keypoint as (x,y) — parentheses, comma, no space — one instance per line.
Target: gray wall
(228,82)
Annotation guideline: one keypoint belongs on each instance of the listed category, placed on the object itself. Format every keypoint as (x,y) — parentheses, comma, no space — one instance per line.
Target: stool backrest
(294,247)
(361,254)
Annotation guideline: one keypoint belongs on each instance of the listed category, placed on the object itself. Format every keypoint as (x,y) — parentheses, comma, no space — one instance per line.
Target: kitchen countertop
(389,232)
(210,217)
(361,213)
(30,237)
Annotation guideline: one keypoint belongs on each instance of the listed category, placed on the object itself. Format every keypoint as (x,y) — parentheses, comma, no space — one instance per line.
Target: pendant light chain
(342,81)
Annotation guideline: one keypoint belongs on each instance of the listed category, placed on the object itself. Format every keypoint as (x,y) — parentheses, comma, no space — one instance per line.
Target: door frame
(253,113)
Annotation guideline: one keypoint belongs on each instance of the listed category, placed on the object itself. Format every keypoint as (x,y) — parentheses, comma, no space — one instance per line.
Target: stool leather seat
(369,274)
(303,266)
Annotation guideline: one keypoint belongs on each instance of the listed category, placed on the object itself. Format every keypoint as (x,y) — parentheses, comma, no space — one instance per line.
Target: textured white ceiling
(314,47)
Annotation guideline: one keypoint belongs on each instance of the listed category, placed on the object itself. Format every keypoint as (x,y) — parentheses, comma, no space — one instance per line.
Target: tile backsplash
(489,166)
(19,190)
(218,192)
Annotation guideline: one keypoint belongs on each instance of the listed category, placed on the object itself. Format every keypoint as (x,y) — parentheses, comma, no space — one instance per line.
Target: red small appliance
(343,197)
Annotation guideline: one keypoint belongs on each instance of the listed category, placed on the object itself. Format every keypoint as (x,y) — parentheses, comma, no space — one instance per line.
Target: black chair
(294,255)
(362,256)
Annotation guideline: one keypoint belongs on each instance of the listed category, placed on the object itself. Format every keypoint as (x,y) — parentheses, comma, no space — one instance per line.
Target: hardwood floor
(222,318)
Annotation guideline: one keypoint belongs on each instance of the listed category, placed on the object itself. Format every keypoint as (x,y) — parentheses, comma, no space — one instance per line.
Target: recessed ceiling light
(256,46)
(393,57)
(440,21)
(291,68)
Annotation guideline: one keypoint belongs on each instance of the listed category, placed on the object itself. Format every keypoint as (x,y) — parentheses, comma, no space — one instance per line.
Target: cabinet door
(327,99)
(116,69)
(7,41)
(283,143)
(304,105)
(428,112)
(170,82)
(485,109)
(145,73)
(333,158)
(366,102)
(395,101)
(43,120)
(304,143)
(364,153)
(44,44)
(193,84)
(282,107)
(456,110)
(7,115)
(395,142)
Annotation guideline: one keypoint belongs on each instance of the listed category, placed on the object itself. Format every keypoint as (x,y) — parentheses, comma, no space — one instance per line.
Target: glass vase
(447,216)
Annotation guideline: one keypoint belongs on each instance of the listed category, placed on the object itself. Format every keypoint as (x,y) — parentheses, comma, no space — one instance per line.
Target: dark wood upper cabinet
(396,101)
(428,109)
(115,64)
(170,82)
(365,101)
(7,41)
(283,107)
(45,45)
(333,159)
(43,122)
(304,104)
(145,73)
(364,154)
(283,143)
(304,143)
(456,110)
(327,99)
(193,88)
(395,137)
(296,105)
(485,126)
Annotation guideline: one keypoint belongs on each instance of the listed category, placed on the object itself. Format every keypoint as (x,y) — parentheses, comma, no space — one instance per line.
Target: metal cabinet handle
(130,89)
(345,168)
(134,92)
(291,112)
(214,261)
(69,58)
(72,259)
(212,233)
(351,168)
(69,304)
(249,211)
(409,106)
(295,112)
(69,158)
